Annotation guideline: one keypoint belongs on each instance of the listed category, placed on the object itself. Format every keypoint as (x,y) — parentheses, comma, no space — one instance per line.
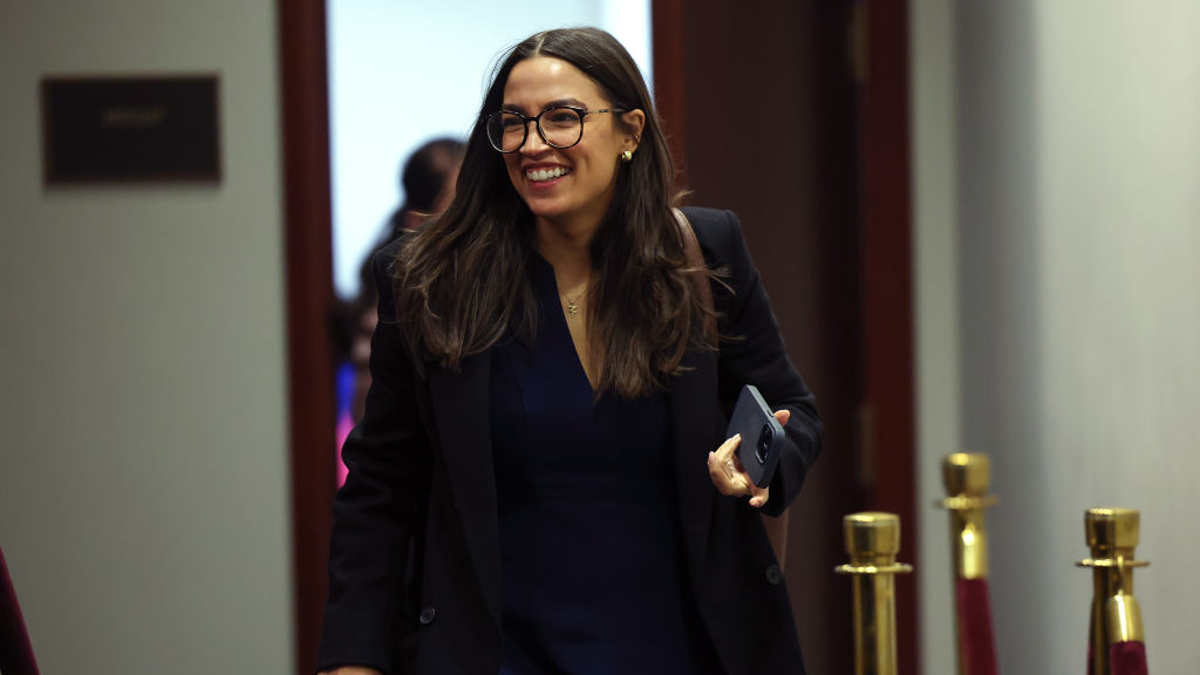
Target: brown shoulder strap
(695,258)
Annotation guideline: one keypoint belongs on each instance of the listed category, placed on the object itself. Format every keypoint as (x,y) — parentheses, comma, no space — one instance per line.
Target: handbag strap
(695,258)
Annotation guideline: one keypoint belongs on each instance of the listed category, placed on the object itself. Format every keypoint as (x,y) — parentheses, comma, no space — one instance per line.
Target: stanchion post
(1116,618)
(967,477)
(872,542)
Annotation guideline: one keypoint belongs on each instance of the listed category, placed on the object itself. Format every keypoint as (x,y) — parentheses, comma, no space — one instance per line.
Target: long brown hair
(462,281)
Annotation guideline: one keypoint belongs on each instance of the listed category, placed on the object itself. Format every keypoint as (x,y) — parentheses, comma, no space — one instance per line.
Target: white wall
(935,266)
(144,502)
(1077,156)
(403,72)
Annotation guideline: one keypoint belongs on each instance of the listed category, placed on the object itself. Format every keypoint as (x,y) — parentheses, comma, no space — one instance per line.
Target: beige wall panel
(144,511)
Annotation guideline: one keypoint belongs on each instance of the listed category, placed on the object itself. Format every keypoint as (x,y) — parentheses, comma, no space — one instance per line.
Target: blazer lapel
(462,413)
(693,399)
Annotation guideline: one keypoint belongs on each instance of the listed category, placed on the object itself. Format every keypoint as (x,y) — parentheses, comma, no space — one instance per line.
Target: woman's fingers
(730,478)
(759,495)
(725,451)
(723,471)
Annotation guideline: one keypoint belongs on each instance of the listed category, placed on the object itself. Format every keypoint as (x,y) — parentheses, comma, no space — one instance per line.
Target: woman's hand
(351,670)
(730,477)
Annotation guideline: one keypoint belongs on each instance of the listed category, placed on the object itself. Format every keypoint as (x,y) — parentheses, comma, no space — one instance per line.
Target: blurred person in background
(427,179)
(540,482)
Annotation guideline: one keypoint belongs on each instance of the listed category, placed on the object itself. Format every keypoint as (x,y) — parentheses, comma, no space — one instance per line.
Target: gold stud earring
(627,156)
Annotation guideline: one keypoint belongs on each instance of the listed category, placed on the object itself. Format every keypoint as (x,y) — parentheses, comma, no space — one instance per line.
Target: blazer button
(427,616)
(774,575)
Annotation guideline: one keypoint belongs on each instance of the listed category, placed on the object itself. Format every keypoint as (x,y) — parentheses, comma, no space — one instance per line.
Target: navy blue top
(589,525)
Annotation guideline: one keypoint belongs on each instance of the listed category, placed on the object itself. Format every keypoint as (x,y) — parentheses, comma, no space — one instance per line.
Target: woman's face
(581,178)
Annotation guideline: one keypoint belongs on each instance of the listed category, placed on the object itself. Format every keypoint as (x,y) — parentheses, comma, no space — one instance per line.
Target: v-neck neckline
(552,305)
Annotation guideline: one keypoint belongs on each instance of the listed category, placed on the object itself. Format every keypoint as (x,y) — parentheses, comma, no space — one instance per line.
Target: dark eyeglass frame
(582,112)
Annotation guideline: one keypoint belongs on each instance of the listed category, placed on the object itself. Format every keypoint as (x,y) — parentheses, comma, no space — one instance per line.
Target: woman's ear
(635,122)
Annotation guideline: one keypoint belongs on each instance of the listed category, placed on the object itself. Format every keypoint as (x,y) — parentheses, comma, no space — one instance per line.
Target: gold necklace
(573,305)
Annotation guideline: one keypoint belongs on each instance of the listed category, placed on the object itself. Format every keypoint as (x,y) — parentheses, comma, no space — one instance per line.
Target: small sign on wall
(130,129)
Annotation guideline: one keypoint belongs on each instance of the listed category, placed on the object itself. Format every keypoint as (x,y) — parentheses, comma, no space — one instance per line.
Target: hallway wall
(144,509)
(1072,179)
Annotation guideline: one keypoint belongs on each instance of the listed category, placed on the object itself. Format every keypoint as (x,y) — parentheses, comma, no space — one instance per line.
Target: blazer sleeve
(380,506)
(752,352)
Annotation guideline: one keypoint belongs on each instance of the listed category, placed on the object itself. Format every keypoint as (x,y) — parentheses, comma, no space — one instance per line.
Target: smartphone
(762,435)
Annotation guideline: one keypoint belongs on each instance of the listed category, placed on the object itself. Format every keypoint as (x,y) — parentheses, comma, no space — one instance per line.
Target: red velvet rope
(1127,658)
(976,643)
(16,655)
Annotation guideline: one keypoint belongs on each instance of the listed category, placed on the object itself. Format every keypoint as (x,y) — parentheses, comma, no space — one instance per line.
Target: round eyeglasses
(561,127)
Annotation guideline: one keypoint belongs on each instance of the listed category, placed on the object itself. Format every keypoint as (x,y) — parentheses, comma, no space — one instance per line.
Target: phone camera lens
(764,444)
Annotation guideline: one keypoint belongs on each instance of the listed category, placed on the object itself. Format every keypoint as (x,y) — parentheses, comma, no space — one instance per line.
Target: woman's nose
(534,143)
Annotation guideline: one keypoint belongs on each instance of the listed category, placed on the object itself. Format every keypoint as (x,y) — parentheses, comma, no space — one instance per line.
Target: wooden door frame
(885,226)
(670,96)
(304,113)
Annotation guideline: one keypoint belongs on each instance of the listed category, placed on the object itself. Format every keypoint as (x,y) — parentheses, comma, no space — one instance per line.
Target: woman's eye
(562,117)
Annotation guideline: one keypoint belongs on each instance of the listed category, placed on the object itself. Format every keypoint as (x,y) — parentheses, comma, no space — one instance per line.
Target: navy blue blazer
(414,565)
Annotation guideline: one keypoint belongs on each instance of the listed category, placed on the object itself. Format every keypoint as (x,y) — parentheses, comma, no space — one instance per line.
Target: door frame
(304,113)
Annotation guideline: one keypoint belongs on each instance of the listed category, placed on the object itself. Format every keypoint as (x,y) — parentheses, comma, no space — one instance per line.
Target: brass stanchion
(966,477)
(1116,641)
(872,541)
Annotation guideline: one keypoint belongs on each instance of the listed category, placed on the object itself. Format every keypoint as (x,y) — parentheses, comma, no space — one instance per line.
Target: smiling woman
(574,201)
(541,472)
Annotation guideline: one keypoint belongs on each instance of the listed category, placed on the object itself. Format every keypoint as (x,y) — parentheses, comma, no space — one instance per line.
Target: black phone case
(752,419)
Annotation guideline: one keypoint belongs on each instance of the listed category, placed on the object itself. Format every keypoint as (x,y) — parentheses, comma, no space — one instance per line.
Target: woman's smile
(542,176)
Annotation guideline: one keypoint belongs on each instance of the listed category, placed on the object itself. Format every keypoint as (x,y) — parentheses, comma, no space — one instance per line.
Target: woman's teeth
(538,175)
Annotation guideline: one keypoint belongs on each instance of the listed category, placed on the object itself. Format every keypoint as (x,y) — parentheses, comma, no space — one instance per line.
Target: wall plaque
(129,129)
